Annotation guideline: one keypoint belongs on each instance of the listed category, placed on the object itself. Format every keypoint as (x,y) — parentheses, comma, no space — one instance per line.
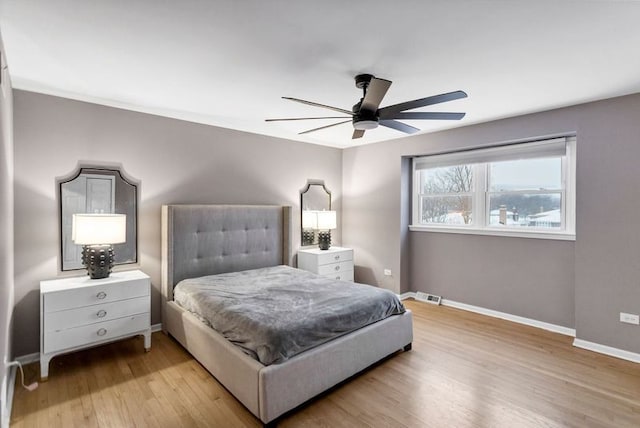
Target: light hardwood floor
(465,370)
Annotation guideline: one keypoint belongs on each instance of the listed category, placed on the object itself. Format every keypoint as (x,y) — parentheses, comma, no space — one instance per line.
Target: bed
(202,240)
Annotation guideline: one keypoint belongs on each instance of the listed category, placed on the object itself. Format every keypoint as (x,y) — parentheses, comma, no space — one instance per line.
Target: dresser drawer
(99,294)
(96,313)
(344,275)
(88,334)
(334,257)
(335,268)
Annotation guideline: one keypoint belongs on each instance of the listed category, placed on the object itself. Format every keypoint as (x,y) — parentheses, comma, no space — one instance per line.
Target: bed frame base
(270,391)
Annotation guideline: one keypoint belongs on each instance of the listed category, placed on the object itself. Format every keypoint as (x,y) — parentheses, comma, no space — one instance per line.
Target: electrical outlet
(387,272)
(629,318)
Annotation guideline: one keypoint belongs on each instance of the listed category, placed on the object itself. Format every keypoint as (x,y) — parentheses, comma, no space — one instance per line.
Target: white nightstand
(80,312)
(336,262)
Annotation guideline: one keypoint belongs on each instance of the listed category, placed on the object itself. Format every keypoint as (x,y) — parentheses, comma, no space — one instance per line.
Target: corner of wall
(405,221)
(6,235)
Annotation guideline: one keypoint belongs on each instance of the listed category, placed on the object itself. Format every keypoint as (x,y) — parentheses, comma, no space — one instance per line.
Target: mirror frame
(116,170)
(311,182)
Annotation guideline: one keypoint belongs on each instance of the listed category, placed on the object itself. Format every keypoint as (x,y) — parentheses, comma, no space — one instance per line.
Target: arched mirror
(97,190)
(314,197)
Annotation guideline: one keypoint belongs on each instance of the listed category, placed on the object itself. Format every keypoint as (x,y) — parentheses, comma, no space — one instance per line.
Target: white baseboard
(502,315)
(29,358)
(607,350)
(578,343)
(407,295)
(35,357)
(509,317)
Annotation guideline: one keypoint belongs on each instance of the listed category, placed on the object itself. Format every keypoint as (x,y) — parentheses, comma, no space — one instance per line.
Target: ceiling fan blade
(422,115)
(357,133)
(403,127)
(311,103)
(305,118)
(422,102)
(376,91)
(323,127)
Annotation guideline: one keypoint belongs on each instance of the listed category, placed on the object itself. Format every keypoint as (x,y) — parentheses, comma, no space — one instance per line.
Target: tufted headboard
(199,240)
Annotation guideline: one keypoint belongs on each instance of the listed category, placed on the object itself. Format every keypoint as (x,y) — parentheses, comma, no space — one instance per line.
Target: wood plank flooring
(465,370)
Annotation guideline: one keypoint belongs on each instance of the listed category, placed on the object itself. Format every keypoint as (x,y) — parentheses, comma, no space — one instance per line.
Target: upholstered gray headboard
(200,240)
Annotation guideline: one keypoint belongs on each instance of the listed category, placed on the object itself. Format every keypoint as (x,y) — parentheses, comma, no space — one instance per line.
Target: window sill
(560,236)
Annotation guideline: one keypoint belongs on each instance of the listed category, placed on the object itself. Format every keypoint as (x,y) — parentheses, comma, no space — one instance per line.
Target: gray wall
(6,229)
(175,161)
(582,284)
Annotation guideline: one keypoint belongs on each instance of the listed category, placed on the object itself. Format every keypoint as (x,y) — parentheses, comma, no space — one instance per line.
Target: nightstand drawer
(334,257)
(335,268)
(98,332)
(344,275)
(86,296)
(96,313)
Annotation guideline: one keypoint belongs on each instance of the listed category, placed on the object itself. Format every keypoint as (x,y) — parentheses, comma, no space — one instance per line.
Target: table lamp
(97,233)
(309,226)
(326,222)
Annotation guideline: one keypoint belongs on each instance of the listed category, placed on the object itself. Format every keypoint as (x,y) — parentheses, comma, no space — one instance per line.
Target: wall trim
(407,295)
(502,315)
(509,317)
(35,357)
(29,358)
(607,350)
(578,343)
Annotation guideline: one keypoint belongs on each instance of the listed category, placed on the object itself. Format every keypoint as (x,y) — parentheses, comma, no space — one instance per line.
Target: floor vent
(429,298)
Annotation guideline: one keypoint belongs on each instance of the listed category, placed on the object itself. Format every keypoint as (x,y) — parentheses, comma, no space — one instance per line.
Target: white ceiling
(228,62)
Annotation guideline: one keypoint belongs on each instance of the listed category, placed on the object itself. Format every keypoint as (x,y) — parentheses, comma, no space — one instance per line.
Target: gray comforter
(277,312)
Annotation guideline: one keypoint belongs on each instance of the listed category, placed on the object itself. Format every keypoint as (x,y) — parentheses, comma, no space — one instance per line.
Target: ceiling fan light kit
(365,125)
(366,114)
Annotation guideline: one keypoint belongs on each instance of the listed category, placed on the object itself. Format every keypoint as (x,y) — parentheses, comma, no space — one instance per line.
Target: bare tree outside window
(447,195)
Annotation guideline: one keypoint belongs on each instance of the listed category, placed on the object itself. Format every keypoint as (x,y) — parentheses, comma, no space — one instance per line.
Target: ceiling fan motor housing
(363,80)
(364,119)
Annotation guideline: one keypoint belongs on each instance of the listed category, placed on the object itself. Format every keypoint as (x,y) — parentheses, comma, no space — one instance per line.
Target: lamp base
(98,259)
(308,236)
(324,240)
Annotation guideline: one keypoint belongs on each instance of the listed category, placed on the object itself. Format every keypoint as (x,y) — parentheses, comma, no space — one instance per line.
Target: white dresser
(336,262)
(80,312)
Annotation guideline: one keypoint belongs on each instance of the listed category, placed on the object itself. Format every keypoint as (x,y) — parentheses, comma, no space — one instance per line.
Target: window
(524,189)
(447,195)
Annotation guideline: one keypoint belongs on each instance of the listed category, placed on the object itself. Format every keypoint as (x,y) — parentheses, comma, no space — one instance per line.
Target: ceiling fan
(366,115)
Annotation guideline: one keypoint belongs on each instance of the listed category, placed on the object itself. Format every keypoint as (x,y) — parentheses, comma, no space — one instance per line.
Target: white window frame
(480,224)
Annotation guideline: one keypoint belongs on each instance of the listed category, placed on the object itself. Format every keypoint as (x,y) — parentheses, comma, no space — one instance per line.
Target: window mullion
(416,207)
(479,199)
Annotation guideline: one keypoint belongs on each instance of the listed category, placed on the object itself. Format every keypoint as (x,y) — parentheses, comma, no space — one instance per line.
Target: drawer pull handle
(337,257)
(102,313)
(337,277)
(337,267)
(101,295)
(102,332)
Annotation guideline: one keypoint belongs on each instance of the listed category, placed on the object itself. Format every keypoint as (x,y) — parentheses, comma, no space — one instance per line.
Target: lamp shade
(326,220)
(94,229)
(309,219)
